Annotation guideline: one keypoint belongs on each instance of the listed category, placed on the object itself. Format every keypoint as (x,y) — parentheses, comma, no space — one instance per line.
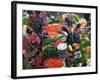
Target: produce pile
(56,39)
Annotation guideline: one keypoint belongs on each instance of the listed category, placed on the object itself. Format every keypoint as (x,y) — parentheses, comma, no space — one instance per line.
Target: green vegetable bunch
(50,52)
(85,42)
(26,21)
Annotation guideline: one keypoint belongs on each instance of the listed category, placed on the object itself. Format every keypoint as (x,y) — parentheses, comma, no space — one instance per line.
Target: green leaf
(26,21)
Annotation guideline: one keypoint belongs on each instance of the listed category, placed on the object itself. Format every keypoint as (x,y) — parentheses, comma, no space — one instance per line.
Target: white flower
(24,30)
(62,46)
(83,22)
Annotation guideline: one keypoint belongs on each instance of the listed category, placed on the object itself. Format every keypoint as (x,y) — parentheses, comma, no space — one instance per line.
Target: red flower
(57,43)
(25,44)
(34,38)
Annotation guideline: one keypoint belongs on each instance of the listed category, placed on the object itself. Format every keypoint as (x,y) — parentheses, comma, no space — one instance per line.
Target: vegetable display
(55,39)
